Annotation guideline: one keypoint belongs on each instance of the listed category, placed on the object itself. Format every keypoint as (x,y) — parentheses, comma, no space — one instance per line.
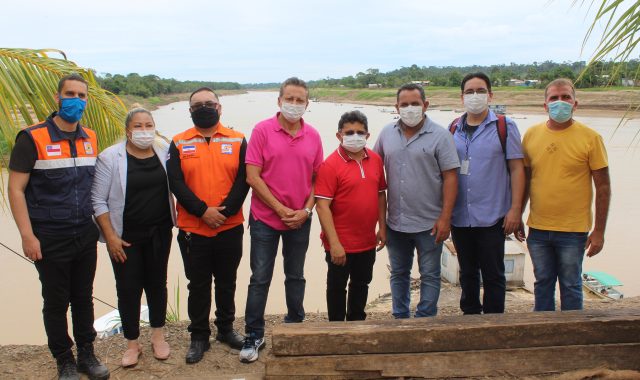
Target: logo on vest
(54,150)
(227,149)
(88,149)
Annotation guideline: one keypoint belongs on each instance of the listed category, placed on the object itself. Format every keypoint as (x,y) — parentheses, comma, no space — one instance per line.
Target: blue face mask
(560,111)
(71,109)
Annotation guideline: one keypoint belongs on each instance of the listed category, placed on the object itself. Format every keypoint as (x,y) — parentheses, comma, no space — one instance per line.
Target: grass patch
(173,310)
(375,94)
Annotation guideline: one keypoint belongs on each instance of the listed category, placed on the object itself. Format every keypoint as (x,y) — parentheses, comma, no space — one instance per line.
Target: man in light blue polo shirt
(490,190)
(420,160)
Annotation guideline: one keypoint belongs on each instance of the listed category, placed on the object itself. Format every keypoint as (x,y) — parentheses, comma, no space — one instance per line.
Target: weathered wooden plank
(512,362)
(458,333)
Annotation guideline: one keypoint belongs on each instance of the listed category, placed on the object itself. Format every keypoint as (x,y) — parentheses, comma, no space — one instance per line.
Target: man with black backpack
(490,190)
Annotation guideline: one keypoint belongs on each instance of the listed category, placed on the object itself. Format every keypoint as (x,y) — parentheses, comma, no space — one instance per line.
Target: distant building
(523,83)
(628,82)
(375,85)
(423,83)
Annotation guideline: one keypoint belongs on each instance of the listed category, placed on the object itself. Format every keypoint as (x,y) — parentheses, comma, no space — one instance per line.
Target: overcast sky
(268,41)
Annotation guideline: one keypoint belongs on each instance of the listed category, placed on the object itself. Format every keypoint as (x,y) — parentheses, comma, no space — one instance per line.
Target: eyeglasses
(351,133)
(209,104)
(481,91)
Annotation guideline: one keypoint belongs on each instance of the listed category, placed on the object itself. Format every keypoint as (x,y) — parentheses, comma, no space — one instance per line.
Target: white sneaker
(250,348)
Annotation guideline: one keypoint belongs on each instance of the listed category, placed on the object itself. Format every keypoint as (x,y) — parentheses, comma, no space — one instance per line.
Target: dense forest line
(534,74)
(153,85)
(538,74)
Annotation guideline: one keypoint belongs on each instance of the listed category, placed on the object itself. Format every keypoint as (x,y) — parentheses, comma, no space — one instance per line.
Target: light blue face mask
(560,111)
(71,109)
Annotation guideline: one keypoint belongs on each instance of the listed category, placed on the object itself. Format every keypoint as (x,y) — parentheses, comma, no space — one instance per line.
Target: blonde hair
(134,111)
(560,82)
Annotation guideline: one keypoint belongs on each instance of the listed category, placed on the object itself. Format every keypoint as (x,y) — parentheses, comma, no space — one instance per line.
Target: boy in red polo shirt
(350,193)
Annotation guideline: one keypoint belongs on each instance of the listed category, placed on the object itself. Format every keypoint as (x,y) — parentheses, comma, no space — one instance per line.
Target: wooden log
(458,333)
(504,362)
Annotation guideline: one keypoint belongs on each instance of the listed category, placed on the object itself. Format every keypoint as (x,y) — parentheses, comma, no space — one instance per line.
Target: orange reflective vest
(209,171)
(58,193)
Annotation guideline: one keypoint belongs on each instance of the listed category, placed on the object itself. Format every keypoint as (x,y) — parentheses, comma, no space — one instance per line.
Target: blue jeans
(401,246)
(557,256)
(264,249)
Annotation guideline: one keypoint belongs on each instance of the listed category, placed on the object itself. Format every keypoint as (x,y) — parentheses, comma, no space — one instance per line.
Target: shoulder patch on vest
(88,148)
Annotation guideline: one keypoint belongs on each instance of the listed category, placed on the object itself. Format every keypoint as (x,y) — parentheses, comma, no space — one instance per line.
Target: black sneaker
(67,366)
(250,348)
(89,364)
(231,338)
(196,350)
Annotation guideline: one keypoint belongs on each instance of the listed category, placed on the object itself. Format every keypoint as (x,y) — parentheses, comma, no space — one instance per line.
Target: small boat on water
(602,285)
(500,109)
(111,324)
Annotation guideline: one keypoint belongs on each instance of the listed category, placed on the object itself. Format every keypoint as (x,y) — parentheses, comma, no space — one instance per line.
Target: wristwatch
(309,212)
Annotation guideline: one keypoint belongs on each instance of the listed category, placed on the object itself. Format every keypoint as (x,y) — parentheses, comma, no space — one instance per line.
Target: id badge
(464,167)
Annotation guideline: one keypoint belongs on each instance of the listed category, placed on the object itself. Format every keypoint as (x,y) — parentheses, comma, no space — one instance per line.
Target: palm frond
(28,83)
(621,21)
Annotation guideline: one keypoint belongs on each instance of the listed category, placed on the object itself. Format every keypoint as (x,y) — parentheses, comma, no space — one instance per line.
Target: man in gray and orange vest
(50,177)
(208,177)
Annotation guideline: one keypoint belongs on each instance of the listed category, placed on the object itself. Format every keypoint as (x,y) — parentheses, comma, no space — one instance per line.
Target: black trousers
(481,250)
(359,268)
(145,269)
(204,258)
(67,270)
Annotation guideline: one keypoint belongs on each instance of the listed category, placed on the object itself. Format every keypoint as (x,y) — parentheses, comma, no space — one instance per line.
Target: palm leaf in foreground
(28,83)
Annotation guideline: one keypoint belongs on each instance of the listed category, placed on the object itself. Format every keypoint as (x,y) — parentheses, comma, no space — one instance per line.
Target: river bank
(601,102)
(221,362)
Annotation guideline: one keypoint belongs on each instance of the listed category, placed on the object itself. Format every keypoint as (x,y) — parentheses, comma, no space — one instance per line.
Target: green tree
(454,79)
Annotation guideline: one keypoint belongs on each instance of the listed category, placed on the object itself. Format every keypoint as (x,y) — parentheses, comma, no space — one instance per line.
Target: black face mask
(205,117)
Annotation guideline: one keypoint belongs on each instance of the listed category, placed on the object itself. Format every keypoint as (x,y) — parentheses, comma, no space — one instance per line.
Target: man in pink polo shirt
(283,156)
(350,191)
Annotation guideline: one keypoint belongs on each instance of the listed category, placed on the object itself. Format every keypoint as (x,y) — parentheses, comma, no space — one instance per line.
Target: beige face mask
(292,112)
(354,143)
(143,139)
(411,115)
(476,103)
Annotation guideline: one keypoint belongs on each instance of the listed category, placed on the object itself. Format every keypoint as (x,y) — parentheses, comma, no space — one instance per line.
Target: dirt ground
(221,362)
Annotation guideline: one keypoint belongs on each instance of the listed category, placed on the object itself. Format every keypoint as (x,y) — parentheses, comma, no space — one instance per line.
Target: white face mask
(476,103)
(354,143)
(143,139)
(292,112)
(411,115)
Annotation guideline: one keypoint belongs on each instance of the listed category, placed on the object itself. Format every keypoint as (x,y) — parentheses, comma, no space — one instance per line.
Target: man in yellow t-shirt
(561,158)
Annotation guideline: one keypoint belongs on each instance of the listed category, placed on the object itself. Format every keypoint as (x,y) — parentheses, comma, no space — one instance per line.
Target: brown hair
(294,81)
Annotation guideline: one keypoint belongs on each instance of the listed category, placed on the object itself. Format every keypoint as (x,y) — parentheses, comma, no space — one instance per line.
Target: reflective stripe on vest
(65,163)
